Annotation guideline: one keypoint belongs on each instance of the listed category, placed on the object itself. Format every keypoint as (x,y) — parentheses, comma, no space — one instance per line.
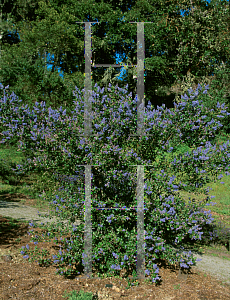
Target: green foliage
(7,175)
(220,92)
(189,81)
(80,295)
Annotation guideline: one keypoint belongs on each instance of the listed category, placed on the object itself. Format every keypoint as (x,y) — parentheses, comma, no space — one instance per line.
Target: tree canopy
(191,44)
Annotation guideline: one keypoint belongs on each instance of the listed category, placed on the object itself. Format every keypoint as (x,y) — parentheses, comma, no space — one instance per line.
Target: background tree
(189,43)
(190,80)
(187,40)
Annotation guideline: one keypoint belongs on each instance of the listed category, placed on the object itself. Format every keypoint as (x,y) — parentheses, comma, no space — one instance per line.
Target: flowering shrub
(56,144)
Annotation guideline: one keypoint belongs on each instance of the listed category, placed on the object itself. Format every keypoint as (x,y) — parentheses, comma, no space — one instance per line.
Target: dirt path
(26,213)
